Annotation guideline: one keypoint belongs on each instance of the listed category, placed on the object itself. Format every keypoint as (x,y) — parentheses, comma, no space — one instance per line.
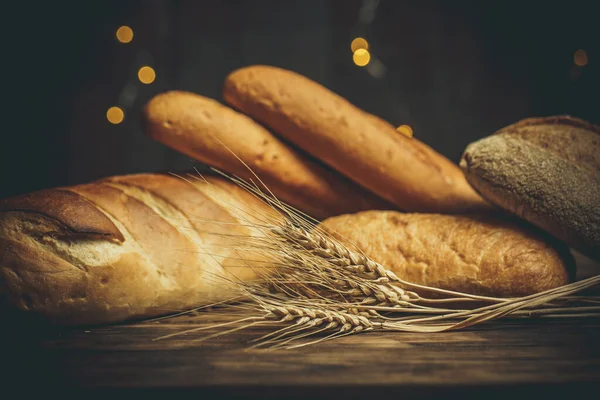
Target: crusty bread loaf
(361,146)
(123,247)
(547,171)
(478,255)
(217,135)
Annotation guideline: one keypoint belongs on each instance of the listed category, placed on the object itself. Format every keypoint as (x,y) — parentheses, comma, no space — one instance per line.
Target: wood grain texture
(542,357)
(530,359)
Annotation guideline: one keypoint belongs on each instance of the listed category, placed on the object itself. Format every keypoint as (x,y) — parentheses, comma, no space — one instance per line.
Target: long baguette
(124,247)
(217,135)
(144,245)
(361,146)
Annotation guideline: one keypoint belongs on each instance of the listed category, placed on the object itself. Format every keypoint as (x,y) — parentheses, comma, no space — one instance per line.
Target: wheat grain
(388,286)
(310,284)
(308,321)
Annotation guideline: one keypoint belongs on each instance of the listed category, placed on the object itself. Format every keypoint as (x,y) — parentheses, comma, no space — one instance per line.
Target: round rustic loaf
(547,171)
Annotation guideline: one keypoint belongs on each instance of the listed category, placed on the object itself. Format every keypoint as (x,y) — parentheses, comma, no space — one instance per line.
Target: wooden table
(531,359)
(526,360)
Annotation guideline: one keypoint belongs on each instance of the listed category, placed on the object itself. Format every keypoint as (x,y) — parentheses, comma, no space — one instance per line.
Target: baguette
(546,171)
(404,171)
(217,135)
(122,248)
(481,255)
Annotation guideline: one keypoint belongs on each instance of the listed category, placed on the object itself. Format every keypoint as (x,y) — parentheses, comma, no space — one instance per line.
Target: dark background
(455,71)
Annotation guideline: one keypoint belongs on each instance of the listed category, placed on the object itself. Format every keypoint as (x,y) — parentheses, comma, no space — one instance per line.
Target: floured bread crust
(547,171)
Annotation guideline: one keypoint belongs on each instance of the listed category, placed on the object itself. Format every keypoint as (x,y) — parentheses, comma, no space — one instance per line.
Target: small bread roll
(546,171)
(478,255)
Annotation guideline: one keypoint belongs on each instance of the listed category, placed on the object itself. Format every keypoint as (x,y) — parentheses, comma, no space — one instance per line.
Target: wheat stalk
(322,287)
(310,284)
(309,321)
(358,265)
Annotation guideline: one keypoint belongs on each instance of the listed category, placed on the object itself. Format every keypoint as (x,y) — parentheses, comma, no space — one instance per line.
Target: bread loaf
(479,255)
(217,135)
(123,247)
(547,171)
(361,146)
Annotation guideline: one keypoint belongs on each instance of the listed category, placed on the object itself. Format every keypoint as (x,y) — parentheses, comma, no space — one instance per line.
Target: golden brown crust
(74,212)
(175,252)
(547,171)
(189,203)
(480,255)
(217,135)
(158,239)
(179,194)
(47,285)
(357,144)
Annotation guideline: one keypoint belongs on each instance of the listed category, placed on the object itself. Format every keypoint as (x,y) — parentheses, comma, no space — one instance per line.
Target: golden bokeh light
(146,75)
(359,43)
(115,115)
(580,58)
(361,57)
(405,130)
(124,34)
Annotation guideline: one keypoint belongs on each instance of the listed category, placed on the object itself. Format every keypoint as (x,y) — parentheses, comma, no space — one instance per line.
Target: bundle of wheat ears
(311,288)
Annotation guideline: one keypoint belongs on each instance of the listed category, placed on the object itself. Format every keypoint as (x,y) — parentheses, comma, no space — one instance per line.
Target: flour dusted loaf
(124,247)
(546,171)
(482,255)
(220,137)
(359,145)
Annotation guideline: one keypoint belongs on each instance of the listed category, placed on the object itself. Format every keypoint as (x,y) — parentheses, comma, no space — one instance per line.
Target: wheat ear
(312,285)
(359,265)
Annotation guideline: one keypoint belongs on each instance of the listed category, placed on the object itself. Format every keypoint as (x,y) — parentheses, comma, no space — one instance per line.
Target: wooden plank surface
(527,359)
(551,357)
